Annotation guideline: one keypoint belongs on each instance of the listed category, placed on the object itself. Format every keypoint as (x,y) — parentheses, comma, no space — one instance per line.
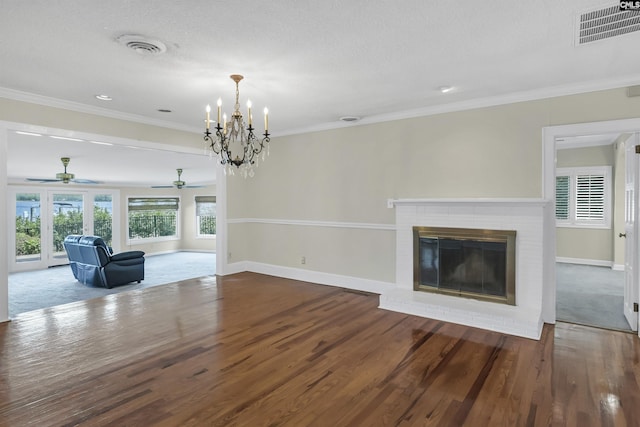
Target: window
(206,216)
(153,217)
(583,197)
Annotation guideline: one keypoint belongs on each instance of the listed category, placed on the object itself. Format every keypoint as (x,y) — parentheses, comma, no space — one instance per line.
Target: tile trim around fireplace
(526,216)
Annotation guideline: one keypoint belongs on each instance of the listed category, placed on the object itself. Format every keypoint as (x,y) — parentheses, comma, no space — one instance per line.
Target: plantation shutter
(562,197)
(590,200)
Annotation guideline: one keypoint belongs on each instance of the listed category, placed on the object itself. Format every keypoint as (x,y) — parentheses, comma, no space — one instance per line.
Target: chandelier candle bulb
(219,105)
(224,120)
(249,112)
(208,118)
(266,119)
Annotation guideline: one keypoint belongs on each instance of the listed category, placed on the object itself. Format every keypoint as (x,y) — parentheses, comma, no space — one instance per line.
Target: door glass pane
(28,237)
(103,217)
(67,219)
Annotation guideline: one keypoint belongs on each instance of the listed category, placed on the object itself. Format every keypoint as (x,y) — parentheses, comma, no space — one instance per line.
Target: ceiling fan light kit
(179,183)
(233,142)
(65,177)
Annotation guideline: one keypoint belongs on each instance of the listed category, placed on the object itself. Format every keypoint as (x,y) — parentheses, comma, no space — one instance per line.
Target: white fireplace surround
(525,216)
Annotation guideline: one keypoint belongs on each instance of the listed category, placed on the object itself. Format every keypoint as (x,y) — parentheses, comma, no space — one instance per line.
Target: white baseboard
(583,261)
(318,277)
(618,267)
(179,250)
(233,268)
(148,254)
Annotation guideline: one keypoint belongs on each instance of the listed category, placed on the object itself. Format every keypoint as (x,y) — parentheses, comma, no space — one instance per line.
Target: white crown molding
(32,98)
(305,223)
(491,101)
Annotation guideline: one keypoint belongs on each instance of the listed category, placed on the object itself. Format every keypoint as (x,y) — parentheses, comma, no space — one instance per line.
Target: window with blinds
(205,216)
(583,197)
(152,218)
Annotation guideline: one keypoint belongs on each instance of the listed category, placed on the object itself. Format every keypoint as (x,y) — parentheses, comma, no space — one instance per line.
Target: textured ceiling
(310,62)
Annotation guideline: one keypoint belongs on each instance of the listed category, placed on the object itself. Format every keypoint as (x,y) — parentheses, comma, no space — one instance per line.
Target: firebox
(472,263)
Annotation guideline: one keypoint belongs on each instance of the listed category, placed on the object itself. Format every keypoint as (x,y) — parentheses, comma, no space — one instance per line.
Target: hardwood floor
(255,350)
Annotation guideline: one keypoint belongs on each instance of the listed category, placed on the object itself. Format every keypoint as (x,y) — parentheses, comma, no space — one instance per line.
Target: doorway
(595,179)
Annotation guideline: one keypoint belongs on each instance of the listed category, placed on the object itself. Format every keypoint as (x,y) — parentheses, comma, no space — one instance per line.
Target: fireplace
(465,262)
(534,223)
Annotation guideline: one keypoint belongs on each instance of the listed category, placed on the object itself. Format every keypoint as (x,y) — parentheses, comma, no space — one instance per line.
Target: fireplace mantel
(526,216)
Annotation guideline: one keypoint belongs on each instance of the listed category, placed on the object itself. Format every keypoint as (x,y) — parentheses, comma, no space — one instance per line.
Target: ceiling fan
(178,184)
(65,177)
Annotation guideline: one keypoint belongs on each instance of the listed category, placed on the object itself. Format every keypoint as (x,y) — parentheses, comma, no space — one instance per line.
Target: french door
(44,217)
(631,266)
(66,215)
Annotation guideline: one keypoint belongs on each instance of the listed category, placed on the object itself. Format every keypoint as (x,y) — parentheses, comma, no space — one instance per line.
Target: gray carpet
(54,286)
(590,295)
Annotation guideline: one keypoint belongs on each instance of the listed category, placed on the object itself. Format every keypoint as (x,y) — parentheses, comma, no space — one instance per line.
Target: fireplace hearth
(465,262)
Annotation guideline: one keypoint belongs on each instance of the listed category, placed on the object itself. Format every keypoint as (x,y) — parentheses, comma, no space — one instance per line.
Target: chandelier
(233,142)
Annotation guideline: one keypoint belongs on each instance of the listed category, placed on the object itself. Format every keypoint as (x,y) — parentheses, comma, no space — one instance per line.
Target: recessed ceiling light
(65,138)
(349,118)
(28,133)
(445,89)
(100,143)
(104,98)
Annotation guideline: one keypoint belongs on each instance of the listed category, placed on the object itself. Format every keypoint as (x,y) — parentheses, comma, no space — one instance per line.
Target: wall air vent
(605,23)
(142,44)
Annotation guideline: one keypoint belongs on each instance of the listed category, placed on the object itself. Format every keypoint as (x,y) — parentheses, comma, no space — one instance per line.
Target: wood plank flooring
(255,350)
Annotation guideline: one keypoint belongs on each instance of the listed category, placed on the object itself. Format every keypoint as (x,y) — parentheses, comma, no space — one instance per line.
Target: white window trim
(572,173)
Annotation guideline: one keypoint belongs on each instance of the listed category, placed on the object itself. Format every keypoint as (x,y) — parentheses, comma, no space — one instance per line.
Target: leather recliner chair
(92,262)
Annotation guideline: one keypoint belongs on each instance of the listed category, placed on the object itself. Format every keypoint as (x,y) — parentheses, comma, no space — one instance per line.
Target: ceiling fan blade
(193,186)
(43,180)
(85,181)
(162,186)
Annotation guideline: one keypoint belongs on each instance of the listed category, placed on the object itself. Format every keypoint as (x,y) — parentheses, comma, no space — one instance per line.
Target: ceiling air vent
(142,44)
(605,23)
